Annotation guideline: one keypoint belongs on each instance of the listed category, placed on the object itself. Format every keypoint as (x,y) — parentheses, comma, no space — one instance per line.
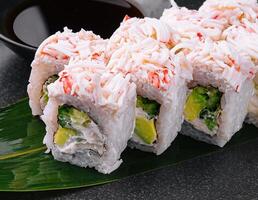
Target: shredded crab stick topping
(190,25)
(61,46)
(244,39)
(89,79)
(134,30)
(150,62)
(233,12)
(223,61)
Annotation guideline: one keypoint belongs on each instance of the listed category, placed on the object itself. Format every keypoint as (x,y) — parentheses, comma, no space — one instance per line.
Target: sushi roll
(89,116)
(161,80)
(53,54)
(244,38)
(220,92)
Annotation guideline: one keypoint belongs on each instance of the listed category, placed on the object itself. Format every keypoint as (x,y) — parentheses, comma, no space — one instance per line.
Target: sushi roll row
(136,88)
(220,43)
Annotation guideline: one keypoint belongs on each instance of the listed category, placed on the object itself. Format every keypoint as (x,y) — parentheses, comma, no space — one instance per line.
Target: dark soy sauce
(33,21)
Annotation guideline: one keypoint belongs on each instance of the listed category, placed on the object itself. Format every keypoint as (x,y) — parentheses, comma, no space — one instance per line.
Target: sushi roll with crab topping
(220,92)
(51,57)
(161,80)
(244,38)
(89,116)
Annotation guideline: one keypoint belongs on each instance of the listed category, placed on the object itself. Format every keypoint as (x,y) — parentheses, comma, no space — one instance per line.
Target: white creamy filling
(87,139)
(200,125)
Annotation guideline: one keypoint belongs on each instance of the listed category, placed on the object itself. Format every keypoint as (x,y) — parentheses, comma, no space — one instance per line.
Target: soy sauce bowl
(24,24)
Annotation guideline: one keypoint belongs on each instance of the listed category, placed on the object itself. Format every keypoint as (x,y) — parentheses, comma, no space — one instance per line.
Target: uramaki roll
(219,95)
(51,57)
(244,38)
(90,116)
(161,80)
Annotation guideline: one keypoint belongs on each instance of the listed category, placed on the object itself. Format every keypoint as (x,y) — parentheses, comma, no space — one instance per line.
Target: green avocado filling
(145,125)
(204,103)
(151,107)
(44,92)
(62,135)
(70,120)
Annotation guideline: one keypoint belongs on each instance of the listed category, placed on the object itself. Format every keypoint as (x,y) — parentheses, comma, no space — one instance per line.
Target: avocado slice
(195,103)
(68,116)
(62,135)
(145,129)
(203,103)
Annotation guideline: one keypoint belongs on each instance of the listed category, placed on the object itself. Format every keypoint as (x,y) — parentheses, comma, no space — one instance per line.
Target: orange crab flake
(170,44)
(67,83)
(230,61)
(154,36)
(95,56)
(238,68)
(241,16)
(126,18)
(166,78)
(65,57)
(46,54)
(154,79)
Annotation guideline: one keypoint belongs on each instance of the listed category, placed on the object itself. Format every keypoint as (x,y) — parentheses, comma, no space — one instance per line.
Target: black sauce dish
(24,24)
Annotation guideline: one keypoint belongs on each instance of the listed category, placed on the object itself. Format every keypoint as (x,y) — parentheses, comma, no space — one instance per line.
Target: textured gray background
(227,174)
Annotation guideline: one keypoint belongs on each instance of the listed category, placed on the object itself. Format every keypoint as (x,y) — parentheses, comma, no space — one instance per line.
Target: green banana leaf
(24,165)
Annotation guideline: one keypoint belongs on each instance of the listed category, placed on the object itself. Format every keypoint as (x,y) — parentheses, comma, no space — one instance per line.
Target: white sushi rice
(108,99)
(253,106)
